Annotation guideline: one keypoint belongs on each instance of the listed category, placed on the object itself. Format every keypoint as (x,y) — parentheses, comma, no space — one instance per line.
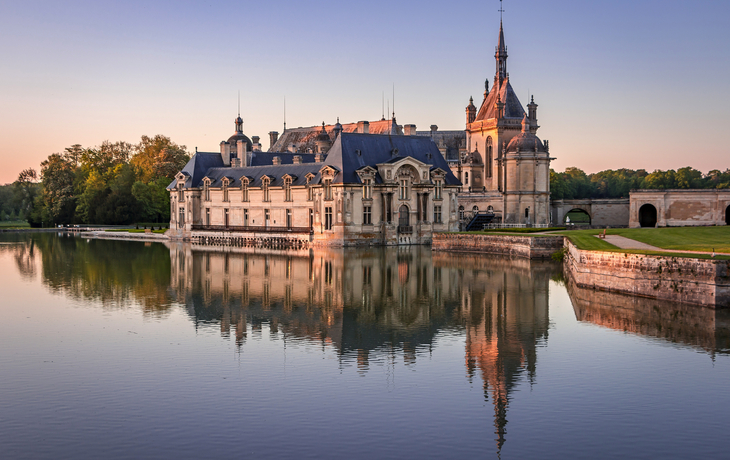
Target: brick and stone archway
(647,215)
(727,215)
(578,216)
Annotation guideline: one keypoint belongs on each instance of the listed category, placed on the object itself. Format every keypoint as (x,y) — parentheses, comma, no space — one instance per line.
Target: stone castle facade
(370,182)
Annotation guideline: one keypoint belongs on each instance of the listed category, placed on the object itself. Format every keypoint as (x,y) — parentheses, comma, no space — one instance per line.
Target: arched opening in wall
(403,216)
(647,216)
(727,215)
(577,217)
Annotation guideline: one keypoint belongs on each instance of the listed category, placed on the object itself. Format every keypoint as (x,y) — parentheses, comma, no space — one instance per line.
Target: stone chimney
(273,137)
(297,159)
(292,148)
(363,127)
(434,128)
(409,130)
(256,147)
(276,160)
(318,157)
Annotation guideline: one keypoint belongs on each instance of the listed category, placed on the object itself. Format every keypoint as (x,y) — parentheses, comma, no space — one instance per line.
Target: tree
(158,157)
(59,202)
(106,156)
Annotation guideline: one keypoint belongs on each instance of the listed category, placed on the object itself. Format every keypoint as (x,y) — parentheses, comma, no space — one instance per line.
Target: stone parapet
(531,247)
(696,281)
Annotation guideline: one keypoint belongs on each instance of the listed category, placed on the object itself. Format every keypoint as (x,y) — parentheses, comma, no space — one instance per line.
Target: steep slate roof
(305,138)
(452,140)
(198,166)
(375,149)
(257,172)
(512,106)
(287,158)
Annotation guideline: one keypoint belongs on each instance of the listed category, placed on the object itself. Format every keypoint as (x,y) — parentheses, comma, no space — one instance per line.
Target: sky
(619,84)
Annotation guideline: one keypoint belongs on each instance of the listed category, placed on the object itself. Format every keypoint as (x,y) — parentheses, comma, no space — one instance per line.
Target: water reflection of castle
(367,301)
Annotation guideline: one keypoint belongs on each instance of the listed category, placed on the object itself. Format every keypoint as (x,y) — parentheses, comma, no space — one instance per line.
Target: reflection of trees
(378,301)
(112,272)
(23,252)
(691,325)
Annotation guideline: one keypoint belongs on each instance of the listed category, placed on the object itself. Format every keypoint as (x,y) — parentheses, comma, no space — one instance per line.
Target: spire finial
(284,113)
(239,102)
(501,10)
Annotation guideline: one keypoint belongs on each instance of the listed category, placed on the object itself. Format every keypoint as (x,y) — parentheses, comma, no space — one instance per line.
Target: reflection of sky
(80,380)
(83,72)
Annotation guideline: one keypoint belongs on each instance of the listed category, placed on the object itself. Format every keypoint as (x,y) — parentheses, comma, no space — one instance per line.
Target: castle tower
(500,119)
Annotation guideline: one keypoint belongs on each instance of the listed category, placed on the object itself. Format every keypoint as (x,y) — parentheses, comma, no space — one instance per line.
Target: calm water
(137,350)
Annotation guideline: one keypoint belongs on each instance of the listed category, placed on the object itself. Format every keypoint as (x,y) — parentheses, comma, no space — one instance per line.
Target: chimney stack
(276,160)
(297,159)
(409,130)
(273,137)
(363,127)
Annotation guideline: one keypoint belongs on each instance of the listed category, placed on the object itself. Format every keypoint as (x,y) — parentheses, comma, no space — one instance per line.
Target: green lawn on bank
(14,224)
(134,230)
(674,238)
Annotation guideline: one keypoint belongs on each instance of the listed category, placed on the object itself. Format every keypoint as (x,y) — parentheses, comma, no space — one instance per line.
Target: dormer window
(287,189)
(438,189)
(225,190)
(327,184)
(367,189)
(180,192)
(265,187)
(206,189)
(244,189)
(310,190)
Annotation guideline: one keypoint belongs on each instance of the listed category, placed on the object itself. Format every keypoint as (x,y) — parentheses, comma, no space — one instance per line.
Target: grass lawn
(14,224)
(675,238)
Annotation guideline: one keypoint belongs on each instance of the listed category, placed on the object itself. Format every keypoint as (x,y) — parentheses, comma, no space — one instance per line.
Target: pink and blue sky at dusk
(634,84)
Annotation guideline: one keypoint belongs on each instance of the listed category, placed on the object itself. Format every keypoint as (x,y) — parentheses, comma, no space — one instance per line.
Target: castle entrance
(727,215)
(647,216)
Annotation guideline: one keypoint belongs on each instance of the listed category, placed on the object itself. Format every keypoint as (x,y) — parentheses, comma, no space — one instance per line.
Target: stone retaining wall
(697,281)
(531,247)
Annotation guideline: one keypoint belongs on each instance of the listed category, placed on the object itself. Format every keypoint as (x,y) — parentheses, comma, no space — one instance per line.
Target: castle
(374,183)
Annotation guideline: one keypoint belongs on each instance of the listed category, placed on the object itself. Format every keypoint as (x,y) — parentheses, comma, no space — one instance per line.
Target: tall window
(328,190)
(244,189)
(489,157)
(207,216)
(367,215)
(367,189)
(287,189)
(403,189)
(245,217)
(288,218)
(267,216)
(265,187)
(311,218)
(466,178)
(225,190)
(225,217)
(328,218)
(181,217)
(310,190)
(437,214)
(180,192)
(438,190)
(206,190)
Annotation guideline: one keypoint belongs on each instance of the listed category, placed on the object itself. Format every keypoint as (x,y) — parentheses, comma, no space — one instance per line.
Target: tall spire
(500,55)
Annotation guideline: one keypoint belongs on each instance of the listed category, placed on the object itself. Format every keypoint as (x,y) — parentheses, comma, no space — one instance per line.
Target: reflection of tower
(506,314)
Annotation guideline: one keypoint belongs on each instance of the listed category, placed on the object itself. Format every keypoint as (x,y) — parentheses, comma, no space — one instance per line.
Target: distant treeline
(114,183)
(575,184)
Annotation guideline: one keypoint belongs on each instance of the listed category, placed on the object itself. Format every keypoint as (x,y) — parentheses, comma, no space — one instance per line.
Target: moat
(121,349)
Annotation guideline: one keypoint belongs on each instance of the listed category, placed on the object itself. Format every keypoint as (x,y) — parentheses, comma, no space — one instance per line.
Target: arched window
(475,209)
(489,157)
(461,212)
